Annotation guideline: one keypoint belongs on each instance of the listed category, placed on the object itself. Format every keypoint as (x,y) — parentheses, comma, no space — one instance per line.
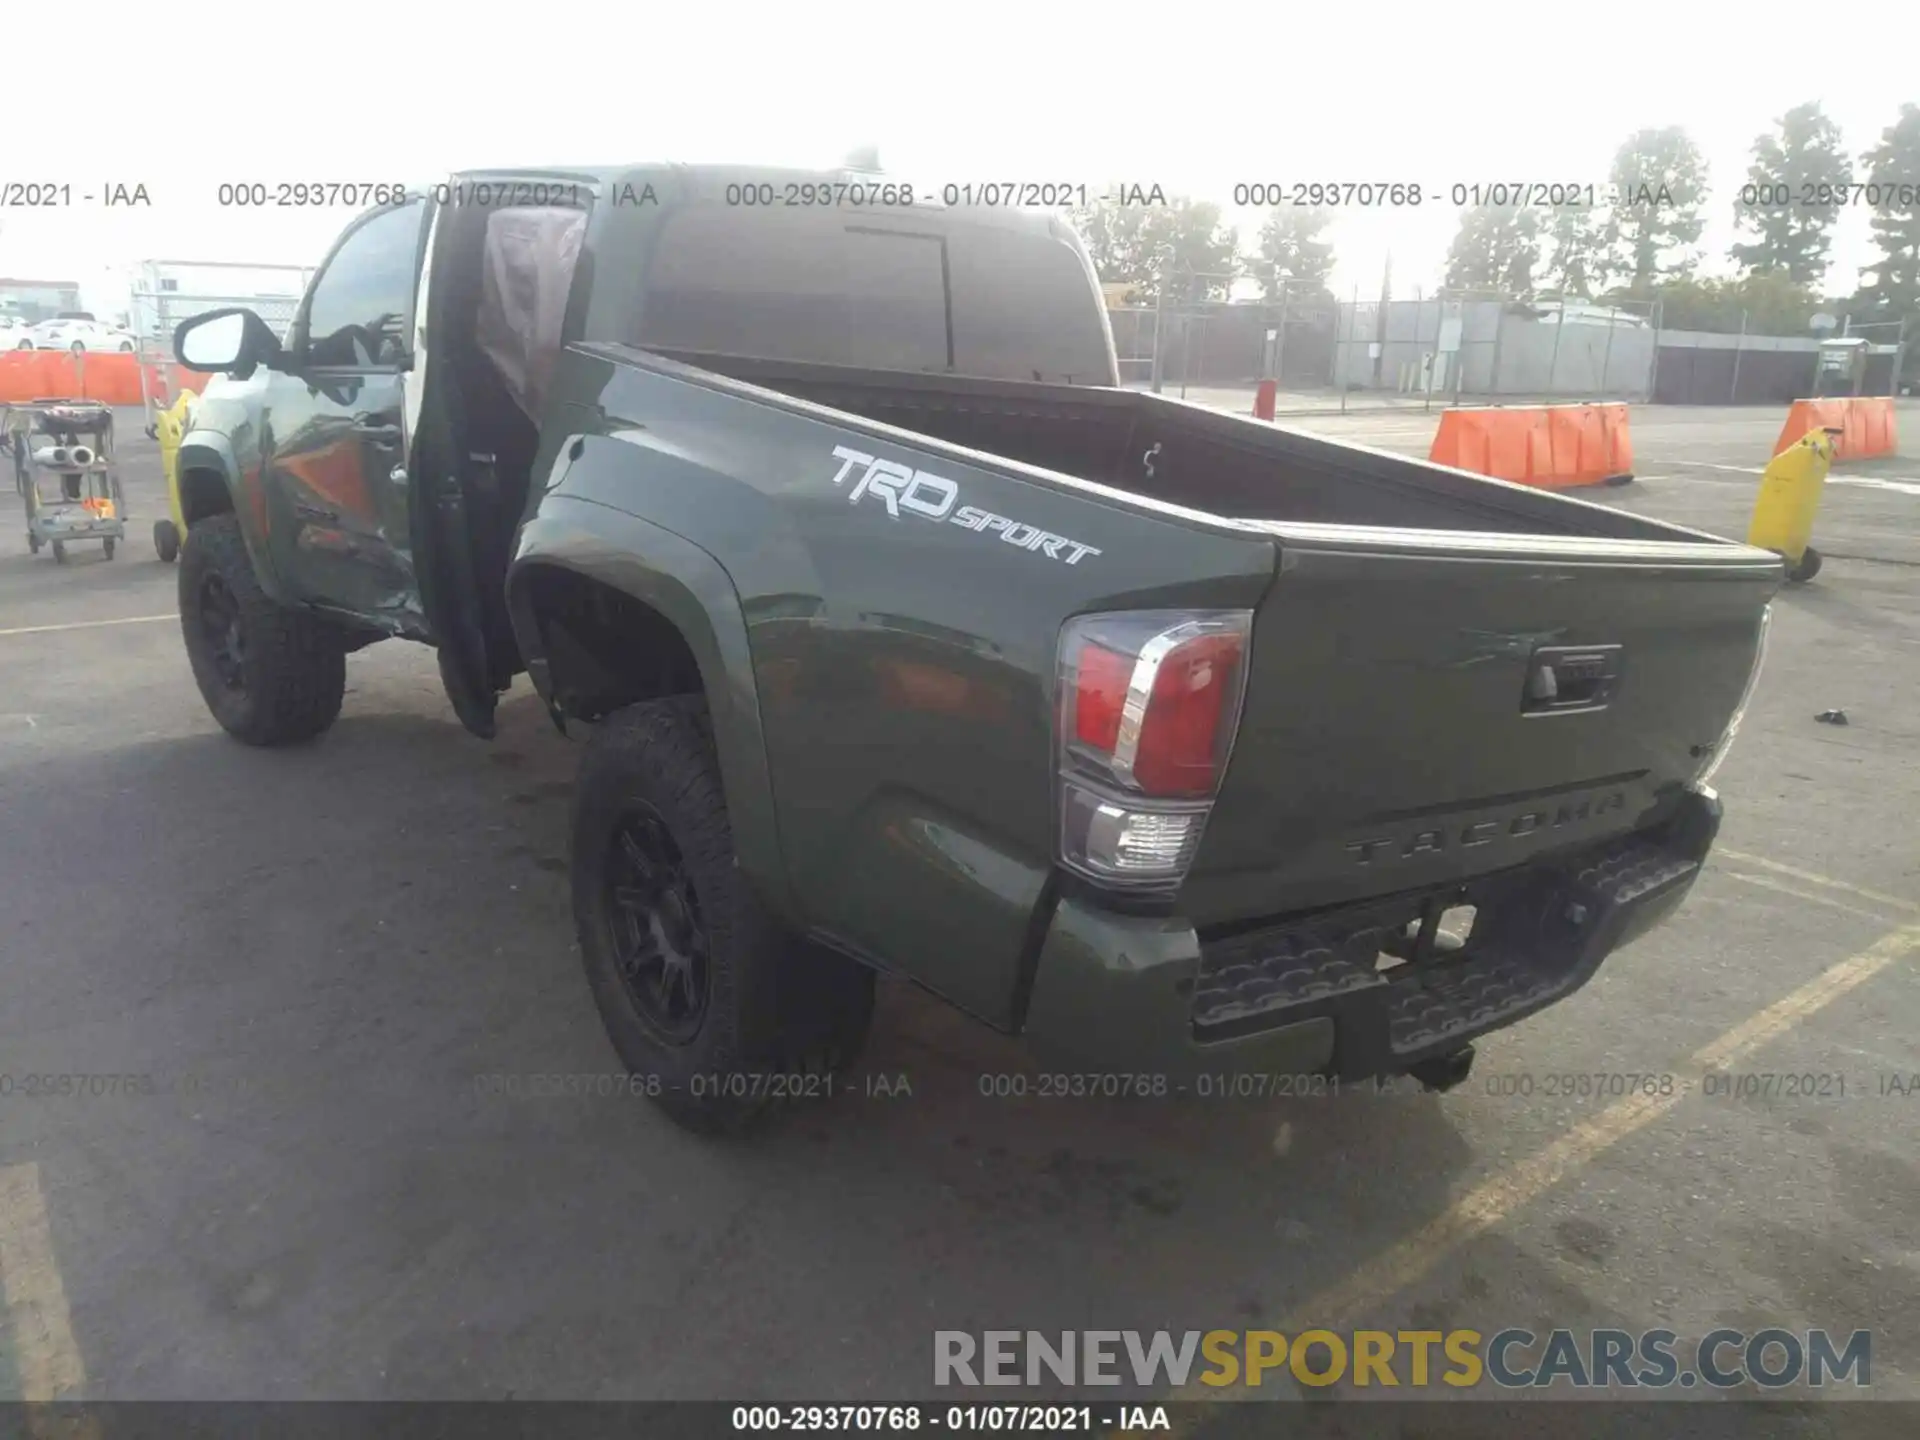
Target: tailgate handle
(1564,679)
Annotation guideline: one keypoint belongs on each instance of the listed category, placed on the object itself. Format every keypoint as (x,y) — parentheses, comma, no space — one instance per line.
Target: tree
(1291,249)
(1893,177)
(1803,163)
(1497,247)
(1183,239)
(1658,181)
(1776,304)
(1579,255)
(1761,303)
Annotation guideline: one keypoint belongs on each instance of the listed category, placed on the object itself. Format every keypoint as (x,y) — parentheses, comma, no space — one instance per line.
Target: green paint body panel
(900,669)
(882,679)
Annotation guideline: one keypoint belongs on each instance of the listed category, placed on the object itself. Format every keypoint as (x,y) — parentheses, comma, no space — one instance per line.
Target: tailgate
(1400,727)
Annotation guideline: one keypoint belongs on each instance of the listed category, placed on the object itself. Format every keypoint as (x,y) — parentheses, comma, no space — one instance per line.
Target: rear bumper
(1303,995)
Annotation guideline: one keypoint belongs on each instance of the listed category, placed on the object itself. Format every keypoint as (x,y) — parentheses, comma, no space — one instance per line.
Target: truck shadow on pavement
(326,958)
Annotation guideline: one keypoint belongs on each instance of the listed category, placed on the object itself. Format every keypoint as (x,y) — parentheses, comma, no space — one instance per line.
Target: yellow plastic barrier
(168,428)
(1789,497)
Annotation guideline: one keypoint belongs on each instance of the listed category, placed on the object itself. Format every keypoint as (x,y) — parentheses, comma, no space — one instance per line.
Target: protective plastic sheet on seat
(526,271)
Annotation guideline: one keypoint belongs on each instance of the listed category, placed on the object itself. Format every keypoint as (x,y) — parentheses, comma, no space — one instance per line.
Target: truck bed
(1449,676)
(1199,458)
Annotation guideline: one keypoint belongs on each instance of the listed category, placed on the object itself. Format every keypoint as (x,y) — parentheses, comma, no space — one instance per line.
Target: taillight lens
(1149,702)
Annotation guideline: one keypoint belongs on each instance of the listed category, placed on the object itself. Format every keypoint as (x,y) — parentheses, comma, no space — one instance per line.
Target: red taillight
(1139,768)
(1100,696)
(1180,743)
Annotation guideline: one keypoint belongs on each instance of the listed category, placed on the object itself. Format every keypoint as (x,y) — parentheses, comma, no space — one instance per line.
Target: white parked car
(72,335)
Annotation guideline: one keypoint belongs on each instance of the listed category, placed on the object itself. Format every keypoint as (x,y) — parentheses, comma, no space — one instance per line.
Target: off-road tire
(780,1015)
(293,672)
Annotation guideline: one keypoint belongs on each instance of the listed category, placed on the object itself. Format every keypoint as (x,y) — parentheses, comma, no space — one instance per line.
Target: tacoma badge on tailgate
(1431,836)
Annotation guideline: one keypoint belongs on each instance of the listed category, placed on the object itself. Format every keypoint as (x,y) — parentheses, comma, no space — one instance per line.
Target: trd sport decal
(934,497)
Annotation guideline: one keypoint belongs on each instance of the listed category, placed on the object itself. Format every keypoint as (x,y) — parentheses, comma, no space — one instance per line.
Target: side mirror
(232,341)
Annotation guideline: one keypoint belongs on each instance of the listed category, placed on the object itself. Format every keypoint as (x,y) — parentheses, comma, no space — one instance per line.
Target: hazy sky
(1194,98)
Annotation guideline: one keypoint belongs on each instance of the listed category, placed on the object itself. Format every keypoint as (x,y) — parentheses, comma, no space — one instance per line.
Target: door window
(357,310)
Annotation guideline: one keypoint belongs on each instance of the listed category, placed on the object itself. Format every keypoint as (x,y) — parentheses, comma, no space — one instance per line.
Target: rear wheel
(59,552)
(270,675)
(704,995)
(106,548)
(33,543)
(166,541)
(1808,567)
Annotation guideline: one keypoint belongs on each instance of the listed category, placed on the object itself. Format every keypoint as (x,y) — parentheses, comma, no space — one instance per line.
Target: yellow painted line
(1813,877)
(1494,1199)
(86,624)
(1780,887)
(44,1352)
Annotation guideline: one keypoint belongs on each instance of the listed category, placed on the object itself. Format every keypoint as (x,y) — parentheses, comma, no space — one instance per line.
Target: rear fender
(690,588)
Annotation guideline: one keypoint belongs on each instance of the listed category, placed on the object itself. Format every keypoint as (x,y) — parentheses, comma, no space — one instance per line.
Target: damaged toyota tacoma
(905,639)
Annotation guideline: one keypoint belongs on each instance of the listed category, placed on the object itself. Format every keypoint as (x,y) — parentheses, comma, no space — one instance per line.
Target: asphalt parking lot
(318,957)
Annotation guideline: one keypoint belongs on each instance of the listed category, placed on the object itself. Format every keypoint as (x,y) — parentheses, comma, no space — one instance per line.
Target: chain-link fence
(1447,348)
(1188,342)
(166,292)
(1489,347)
(1478,347)
(1890,366)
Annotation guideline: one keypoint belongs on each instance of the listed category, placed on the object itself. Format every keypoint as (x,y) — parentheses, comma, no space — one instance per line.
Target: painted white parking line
(86,624)
(1695,480)
(1777,887)
(1877,482)
(1494,1199)
(44,1352)
(1899,483)
(1814,877)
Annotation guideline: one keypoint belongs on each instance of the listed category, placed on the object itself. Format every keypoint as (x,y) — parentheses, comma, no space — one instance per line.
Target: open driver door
(443,539)
(495,321)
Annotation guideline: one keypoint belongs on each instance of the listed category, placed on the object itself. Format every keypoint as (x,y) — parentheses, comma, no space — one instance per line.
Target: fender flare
(211,450)
(692,590)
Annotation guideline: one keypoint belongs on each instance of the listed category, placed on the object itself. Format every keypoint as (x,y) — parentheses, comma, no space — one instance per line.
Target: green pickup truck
(1181,744)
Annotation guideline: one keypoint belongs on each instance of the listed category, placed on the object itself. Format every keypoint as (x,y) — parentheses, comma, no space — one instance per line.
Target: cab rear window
(931,292)
(804,285)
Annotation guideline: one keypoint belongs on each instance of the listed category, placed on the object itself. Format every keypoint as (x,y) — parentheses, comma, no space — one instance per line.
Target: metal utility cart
(64,470)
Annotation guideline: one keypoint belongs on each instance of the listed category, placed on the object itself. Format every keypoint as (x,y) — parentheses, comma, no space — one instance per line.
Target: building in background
(30,301)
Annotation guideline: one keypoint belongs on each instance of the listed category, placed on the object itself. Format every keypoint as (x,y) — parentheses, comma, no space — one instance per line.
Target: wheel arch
(206,482)
(609,610)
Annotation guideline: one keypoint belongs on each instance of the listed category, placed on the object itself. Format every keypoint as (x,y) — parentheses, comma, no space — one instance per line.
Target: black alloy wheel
(219,616)
(661,945)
